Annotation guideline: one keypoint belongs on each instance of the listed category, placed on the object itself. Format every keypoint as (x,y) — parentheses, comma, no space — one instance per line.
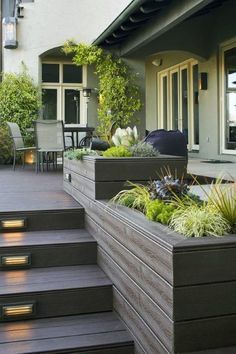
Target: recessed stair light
(15,261)
(17,311)
(12,224)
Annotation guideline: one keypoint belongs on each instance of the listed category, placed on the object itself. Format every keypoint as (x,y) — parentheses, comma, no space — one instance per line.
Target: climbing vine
(119,96)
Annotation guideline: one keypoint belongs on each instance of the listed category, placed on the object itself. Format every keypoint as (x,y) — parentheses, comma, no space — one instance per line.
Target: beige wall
(48,24)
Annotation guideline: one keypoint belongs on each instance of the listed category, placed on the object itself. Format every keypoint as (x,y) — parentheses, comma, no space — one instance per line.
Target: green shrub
(119,95)
(198,220)
(137,197)
(117,151)
(5,146)
(159,211)
(19,100)
(222,198)
(143,150)
(78,154)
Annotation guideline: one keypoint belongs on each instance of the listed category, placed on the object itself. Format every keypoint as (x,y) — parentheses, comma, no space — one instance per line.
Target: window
(228,98)
(178,101)
(62,92)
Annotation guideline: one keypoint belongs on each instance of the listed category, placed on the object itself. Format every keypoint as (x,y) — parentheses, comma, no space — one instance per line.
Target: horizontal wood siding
(176,295)
(122,169)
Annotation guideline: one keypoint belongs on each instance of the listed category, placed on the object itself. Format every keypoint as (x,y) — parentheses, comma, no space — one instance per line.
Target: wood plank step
(84,333)
(58,291)
(52,219)
(51,248)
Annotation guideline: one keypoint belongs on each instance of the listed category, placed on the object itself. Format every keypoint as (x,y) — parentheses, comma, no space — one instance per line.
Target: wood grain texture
(50,220)
(51,248)
(156,287)
(142,334)
(143,305)
(122,169)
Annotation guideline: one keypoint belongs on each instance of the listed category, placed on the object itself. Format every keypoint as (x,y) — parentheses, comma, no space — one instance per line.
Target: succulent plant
(78,154)
(126,137)
(143,149)
(168,188)
(117,151)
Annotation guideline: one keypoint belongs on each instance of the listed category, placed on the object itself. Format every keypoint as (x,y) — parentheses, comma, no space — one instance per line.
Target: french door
(178,101)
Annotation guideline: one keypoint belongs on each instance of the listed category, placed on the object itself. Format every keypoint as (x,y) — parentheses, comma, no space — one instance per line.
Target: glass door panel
(183,124)
(195,105)
(230,99)
(49,100)
(174,100)
(164,105)
(72,106)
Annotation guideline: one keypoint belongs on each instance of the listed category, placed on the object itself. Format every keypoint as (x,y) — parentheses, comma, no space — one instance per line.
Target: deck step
(93,333)
(57,291)
(52,219)
(50,248)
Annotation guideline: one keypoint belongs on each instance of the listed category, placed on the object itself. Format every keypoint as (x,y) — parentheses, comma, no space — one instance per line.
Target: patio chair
(50,141)
(18,143)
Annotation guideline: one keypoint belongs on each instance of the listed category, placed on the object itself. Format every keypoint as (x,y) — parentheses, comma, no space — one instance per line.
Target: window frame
(61,87)
(222,95)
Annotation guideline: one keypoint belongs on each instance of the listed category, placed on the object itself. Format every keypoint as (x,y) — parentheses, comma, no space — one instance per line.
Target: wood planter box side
(104,177)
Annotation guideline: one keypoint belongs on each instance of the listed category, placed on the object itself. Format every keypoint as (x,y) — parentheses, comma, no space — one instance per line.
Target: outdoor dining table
(75,130)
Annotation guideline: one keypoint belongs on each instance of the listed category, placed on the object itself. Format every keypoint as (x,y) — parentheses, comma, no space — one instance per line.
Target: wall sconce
(87,92)
(203,81)
(9,32)
(157,62)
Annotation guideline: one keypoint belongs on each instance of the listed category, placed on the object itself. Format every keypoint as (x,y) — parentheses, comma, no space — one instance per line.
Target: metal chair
(50,141)
(18,143)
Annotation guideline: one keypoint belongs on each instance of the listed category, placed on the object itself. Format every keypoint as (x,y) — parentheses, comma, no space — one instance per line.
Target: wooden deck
(24,190)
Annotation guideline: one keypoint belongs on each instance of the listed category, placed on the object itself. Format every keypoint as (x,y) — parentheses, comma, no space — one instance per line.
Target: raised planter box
(176,295)
(103,177)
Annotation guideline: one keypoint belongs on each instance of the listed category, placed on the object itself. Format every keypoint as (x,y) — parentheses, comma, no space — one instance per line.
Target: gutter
(132,7)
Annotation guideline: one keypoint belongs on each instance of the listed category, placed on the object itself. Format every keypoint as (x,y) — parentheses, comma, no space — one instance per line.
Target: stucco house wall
(198,38)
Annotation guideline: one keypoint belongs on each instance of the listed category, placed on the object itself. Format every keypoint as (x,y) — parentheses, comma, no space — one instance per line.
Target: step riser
(61,303)
(117,350)
(47,220)
(53,255)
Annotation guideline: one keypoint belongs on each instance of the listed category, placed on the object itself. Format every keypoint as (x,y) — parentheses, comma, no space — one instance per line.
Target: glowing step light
(17,311)
(15,261)
(12,224)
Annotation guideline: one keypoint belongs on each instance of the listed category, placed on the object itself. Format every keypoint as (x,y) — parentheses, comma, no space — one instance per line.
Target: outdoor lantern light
(87,92)
(9,32)
(203,81)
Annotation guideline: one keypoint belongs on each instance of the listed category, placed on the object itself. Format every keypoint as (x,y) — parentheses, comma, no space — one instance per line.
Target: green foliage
(222,198)
(117,151)
(143,150)
(5,146)
(198,220)
(78,154)
(159,211)
(137,197)
(119,97)
(19,100)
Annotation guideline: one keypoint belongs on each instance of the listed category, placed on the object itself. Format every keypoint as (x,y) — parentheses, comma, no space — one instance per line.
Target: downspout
(135,4)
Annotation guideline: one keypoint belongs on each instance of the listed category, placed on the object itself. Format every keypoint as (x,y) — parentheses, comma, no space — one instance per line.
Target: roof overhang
(145,20)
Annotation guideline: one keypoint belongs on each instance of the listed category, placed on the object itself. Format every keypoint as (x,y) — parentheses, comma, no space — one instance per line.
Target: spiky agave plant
(168,188)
